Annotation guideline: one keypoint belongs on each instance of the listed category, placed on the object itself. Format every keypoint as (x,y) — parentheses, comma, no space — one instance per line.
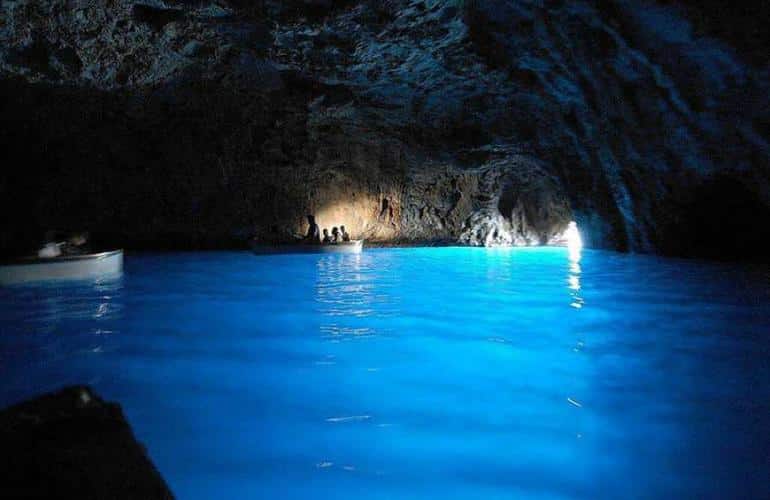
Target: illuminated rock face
(510,201)
(482,122)
(507,201)
(365,211)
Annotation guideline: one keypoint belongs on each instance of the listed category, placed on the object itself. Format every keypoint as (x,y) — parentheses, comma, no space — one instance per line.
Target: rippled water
(418,373)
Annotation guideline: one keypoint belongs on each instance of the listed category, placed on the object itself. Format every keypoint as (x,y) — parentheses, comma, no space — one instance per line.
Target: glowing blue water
(418,373)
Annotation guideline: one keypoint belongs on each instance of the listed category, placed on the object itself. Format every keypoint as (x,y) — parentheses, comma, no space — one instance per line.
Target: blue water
(418,373)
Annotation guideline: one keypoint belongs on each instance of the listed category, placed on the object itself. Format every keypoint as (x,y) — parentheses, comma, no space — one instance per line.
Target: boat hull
(71,267)
(355,246)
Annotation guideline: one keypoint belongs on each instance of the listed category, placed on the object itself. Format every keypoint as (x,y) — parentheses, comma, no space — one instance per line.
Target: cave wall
(198,124)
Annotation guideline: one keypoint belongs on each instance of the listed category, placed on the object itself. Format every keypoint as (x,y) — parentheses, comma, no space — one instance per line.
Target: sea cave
(384,249)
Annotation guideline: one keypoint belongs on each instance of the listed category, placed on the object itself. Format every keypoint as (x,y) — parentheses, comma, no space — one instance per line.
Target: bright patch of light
(571,237)
(574,241)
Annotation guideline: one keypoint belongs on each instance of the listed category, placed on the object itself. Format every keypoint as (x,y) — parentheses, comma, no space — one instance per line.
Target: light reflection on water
(446,372)
(346,287)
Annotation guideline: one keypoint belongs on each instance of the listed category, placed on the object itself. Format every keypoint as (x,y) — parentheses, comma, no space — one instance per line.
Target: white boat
(353,246)
(65,267)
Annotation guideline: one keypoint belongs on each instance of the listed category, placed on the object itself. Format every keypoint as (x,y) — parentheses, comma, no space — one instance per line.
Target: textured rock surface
(198,123)
(71,444)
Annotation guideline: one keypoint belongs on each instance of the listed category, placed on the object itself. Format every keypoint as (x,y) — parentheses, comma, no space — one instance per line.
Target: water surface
(418,373)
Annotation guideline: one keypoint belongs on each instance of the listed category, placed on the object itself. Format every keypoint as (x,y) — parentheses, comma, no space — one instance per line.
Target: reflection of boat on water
(355,246)
(65,267)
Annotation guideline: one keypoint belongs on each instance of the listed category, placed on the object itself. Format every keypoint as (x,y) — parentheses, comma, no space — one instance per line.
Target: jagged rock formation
(475,121)
(72,444)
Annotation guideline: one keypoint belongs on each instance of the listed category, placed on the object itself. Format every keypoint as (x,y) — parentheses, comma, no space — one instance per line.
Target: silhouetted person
(335,235)
(76,244)
(312,230)
(345,235)
(327,238)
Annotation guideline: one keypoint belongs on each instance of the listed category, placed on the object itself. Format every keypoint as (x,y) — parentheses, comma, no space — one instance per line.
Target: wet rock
(248,35)
(34,57)
(193,48)
(156,17)
(503,202)
(72,444)
(257,73)
(68,60)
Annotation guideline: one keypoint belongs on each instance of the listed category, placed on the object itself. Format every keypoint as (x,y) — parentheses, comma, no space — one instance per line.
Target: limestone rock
(479,122)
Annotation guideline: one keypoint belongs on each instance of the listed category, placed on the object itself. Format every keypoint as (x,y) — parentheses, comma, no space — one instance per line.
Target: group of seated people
(74,244)
(313,236)
(337,235)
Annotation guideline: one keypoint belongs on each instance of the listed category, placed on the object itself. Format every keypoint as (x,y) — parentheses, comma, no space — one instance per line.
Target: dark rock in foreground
(72,444)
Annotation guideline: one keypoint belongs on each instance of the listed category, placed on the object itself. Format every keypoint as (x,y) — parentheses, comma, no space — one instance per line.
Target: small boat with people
(68,259)
(353,246)
(62,267)
(338,241)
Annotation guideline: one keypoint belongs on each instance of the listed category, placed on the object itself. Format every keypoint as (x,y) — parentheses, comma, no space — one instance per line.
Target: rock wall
(484,122)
